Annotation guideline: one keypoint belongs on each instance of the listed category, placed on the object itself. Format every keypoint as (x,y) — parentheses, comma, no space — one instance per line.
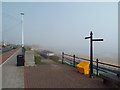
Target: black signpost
(91,52)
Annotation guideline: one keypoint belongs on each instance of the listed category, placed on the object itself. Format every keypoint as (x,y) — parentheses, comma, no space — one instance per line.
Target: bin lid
(20,55)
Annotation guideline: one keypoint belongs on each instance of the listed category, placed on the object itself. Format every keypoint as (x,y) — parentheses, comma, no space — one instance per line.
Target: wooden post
(91,55)
(74,60)
(97,65)
(62,57)
(91,52)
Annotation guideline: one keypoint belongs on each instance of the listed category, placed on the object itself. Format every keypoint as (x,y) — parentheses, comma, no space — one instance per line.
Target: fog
(62,27)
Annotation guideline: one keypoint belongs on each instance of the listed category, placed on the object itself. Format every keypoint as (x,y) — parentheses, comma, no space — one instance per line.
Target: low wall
(29,58)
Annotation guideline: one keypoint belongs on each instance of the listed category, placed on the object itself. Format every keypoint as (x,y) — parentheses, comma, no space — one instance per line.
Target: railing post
(62,57)
(74,60)
(97,66)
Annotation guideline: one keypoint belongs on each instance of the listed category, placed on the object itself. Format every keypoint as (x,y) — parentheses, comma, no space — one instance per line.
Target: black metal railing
(98,66)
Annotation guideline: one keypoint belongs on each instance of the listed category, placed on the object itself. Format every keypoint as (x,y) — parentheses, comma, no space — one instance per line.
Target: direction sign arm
(87,37)
(97,39)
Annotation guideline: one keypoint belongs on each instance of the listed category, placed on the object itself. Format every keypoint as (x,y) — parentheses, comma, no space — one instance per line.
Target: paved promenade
(53,75)
(12,76)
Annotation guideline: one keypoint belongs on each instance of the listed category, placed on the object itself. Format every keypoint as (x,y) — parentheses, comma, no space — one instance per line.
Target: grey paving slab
(12,75)
(0,77)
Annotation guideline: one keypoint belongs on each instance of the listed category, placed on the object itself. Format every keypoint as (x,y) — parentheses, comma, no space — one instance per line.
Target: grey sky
(63,26)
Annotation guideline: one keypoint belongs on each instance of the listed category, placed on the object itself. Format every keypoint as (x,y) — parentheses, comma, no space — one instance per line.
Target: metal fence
(99,67)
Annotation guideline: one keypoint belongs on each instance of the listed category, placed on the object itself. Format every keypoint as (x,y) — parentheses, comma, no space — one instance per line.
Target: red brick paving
(53,75)
(25,80)
(5,56)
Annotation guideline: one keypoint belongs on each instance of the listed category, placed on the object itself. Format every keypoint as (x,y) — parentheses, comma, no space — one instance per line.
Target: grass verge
(37,59)
(63,63)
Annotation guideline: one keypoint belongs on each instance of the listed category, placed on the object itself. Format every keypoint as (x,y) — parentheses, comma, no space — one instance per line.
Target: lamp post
(22,22)
(91,51)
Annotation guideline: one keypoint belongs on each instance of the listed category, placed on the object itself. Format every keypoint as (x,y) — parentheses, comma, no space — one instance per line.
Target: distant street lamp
(91,52)
(22,22)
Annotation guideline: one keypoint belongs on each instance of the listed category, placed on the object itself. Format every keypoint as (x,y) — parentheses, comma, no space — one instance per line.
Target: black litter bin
(20,60)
